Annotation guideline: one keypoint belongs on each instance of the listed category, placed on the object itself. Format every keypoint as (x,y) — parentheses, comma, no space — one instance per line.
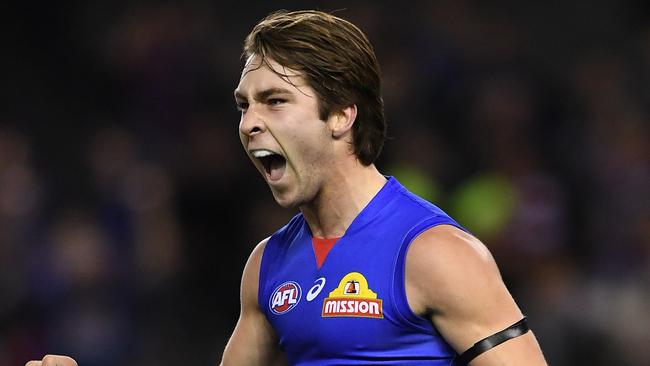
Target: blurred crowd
(128,207)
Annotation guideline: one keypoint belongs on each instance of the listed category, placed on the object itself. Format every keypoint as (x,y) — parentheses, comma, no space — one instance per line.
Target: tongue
(277,167)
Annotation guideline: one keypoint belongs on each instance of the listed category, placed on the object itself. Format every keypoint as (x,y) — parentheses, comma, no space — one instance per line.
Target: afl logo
(285,297)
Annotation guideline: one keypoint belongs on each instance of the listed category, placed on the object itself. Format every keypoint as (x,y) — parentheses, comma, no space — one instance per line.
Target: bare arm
(452,278)
(253,341)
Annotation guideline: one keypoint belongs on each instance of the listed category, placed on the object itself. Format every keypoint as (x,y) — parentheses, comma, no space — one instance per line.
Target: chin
(287,203)
(286,200)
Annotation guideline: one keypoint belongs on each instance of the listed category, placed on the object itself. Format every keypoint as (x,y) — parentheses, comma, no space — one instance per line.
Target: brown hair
(338,63)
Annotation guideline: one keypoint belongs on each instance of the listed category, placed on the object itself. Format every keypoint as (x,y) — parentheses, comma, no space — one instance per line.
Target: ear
(342,121)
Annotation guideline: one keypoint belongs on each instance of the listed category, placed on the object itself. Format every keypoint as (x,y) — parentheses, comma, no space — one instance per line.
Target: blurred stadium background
(128,208)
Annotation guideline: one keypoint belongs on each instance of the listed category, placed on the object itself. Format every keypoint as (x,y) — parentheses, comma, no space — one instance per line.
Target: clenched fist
(53,360)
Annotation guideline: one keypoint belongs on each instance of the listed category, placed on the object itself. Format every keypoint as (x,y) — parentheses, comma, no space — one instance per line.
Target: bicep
(253,341)
(452,277)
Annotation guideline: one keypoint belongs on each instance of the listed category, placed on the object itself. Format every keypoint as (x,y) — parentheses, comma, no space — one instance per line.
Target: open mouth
(274,164)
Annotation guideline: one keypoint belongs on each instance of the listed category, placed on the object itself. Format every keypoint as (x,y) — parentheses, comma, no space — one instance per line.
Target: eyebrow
(262,94)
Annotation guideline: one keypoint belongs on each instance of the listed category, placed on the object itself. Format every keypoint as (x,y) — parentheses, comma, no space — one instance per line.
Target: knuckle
(49,360)
(54,360)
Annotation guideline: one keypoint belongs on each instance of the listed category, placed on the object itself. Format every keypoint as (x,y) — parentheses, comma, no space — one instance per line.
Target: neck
(345,192)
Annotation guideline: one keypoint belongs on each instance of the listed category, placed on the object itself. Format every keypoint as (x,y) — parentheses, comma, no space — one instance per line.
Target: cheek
(307,145)
(312,156)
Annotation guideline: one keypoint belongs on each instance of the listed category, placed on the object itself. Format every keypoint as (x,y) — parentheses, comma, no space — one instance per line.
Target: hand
(53,360)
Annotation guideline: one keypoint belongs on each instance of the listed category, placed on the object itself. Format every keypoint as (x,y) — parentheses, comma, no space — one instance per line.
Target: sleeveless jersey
(353,310)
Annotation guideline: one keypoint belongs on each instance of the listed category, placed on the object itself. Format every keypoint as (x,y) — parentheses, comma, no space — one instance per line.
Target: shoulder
(443,264)
(258,252)
(452,279)
(450,246)
(251,275)
(416,211)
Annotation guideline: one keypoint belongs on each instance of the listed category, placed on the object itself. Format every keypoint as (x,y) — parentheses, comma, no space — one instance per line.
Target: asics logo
(316,289)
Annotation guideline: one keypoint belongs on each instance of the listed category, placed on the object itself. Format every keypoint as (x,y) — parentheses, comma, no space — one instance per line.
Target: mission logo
(353,298)
(285,297)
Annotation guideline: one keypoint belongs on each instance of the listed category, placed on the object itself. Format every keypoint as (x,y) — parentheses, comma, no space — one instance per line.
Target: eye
(242,106)
(276,101)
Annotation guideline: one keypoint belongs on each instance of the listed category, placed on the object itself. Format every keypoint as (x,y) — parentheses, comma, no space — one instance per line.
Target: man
(367,273)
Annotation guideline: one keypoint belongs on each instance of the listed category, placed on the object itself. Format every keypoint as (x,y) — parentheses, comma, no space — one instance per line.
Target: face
(281,132)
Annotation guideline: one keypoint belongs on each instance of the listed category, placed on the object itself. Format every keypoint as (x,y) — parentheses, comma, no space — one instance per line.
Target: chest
(345,306)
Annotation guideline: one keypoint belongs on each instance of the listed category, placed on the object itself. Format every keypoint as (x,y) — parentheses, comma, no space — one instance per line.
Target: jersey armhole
(399,279)
(264,264)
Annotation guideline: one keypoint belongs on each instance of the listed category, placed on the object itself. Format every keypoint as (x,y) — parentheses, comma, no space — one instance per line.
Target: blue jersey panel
(353,310)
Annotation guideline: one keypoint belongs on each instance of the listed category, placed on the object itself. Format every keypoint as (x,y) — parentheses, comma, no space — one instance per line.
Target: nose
(251,123)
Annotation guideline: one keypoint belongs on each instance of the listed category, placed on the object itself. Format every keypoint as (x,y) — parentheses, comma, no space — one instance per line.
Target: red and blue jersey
(349,307)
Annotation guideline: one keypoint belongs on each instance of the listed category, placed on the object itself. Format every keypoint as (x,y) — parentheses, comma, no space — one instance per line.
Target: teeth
(262,153)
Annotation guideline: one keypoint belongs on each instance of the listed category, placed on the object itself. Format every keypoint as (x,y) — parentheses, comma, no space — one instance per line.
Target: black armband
(485,344)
